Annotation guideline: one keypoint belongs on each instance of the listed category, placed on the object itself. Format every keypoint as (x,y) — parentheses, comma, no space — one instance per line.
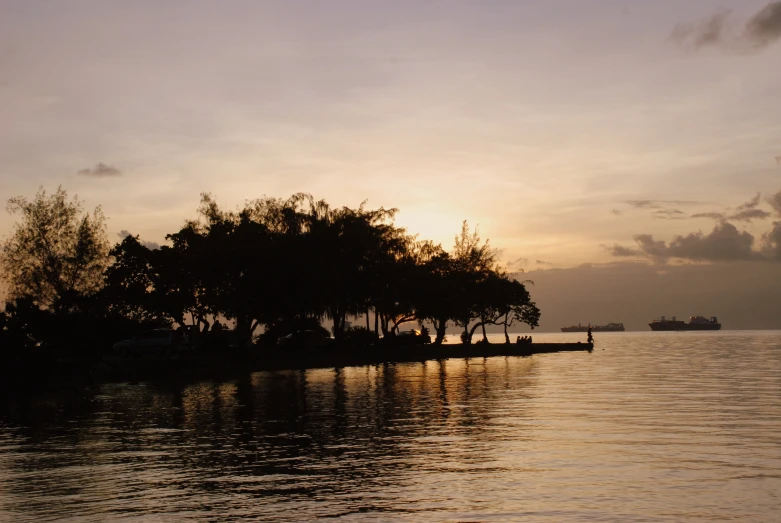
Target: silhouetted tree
(473,264)
(283,263)
(55,249)
(130,280)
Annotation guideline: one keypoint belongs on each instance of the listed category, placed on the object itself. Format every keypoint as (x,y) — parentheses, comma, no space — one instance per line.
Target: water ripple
(649,427)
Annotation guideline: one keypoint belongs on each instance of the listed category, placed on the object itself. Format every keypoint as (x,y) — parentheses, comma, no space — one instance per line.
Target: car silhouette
(150,344)
(408,337)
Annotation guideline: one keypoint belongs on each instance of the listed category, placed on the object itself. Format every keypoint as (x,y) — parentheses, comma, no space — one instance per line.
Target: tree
(473,266)
(130,289)
(436,300)
(56,251)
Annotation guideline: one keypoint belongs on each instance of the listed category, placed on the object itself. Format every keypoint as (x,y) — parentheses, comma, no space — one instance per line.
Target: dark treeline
(273,266)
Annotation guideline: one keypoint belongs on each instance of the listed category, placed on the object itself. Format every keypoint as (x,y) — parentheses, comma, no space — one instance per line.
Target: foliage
(55,248)
(287,264)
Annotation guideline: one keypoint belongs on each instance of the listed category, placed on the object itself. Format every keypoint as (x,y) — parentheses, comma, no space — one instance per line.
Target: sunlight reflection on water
(648,427)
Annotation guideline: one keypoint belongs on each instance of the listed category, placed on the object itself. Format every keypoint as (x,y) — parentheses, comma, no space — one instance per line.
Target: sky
(586,140)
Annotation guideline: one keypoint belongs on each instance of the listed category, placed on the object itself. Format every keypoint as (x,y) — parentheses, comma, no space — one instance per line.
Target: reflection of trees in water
(316,433)
(76,447)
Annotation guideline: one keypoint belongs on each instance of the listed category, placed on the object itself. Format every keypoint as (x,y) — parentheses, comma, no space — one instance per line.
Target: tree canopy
(282,263)
(56,250)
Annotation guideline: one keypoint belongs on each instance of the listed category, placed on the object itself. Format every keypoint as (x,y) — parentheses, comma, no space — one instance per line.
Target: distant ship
(610,327)
(696,323)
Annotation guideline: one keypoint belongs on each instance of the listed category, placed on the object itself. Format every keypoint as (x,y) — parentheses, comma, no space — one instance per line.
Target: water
(648,427)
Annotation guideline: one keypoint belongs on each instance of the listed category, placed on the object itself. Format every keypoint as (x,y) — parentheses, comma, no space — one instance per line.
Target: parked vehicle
(151,344)
(408,337)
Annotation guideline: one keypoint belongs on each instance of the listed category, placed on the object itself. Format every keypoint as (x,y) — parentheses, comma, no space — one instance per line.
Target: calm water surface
(648,427)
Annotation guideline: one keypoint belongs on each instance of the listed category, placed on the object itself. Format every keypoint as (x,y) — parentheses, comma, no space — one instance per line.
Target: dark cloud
(657,204)
(101,170)
(753,202)
(712,215)
(651,247)
(668,214)
(778,159)
(765,28)
(761,31)
(616,212)
(706,32)
(775,202)
(124,233)
(724,243)
(745,212)
(748,215)
(621,251)
(543,262)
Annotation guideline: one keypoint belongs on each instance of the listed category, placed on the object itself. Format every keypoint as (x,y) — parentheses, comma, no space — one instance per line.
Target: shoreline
(52,374)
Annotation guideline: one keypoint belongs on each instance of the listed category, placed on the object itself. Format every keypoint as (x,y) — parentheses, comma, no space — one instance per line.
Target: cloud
(668,214)
(713,215)
(706,32)
(519,262)
(543,262)
(124,233)
(778,159)
(775,202)
(101,170)
(748,215)
(765,28)
(760,31)
(751,203)
(620,250)
(724,243)
(657,204)
(616,212)
(651,247)
(745,212)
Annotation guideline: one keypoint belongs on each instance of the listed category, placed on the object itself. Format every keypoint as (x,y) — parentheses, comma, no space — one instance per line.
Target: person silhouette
(590,338)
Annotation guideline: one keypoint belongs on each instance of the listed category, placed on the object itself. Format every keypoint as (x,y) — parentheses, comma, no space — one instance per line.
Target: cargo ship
(696,323)
(610,327)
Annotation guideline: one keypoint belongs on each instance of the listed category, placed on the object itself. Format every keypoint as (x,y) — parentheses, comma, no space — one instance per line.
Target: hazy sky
(569,130)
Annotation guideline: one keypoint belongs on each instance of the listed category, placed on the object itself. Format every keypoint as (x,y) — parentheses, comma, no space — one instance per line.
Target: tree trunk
(441,329)
(367,319)
(339,317)
(376,323)
(485,336)
(470,332)
(466,337)
(243,328)
(403,319)
(506,336)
